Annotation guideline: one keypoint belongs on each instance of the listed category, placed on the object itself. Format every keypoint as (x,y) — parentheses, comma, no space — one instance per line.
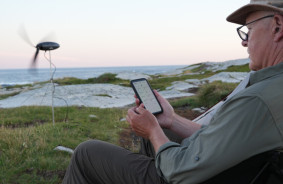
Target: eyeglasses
(244,32)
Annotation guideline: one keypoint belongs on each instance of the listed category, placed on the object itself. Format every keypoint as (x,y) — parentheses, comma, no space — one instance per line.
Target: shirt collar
(266,73)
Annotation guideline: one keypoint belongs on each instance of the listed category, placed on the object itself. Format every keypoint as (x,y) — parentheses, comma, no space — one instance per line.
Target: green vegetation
(210,94)
(201,68)
(27,139)
(18,86)
(161,82)
(104,78)
(207,96)
(240,68)
(8,95)
(105,95)
(191,102)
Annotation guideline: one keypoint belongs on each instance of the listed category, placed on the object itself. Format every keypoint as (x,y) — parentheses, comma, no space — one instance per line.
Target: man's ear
(278,28)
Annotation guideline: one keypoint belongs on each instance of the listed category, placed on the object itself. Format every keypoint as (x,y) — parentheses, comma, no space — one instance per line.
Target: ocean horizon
(10,77)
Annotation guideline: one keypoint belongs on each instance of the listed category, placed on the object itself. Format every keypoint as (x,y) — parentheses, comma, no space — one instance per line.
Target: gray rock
(216,66)
(229,77)
(92,116)
(62,148)
(131,75)
(200,109)
(78,95)
(195,82)
(180,86)
(173,93)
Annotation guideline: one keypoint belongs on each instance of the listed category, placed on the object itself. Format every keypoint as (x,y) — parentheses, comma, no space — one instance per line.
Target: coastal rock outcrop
(110,95)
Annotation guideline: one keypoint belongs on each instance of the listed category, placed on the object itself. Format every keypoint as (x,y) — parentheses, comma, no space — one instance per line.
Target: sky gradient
(120,32)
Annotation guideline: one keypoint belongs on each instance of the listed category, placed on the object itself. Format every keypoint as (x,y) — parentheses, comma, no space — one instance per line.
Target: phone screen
(146,96)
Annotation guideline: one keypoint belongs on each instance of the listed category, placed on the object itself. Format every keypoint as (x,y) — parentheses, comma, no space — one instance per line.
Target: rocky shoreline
(110,95)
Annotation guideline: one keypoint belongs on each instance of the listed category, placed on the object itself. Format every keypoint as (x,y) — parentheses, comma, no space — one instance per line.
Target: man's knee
(82,162)
(88,148)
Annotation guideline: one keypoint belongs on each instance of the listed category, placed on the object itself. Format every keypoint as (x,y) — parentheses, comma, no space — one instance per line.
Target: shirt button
(197,158)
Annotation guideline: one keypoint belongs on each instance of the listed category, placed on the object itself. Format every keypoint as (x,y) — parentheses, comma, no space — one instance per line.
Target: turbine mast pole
(53,89)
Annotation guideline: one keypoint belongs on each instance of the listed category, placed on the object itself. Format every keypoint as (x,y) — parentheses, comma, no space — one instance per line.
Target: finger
(131,113)
(128,119)
(156,93)
(133,108)
(137,102)
(159,97)
(140,109)
(135,96)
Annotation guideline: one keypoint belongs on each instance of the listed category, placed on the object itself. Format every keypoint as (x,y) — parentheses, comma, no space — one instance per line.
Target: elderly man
(248,124)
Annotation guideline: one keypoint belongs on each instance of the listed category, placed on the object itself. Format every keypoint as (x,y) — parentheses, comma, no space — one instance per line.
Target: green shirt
(249,123)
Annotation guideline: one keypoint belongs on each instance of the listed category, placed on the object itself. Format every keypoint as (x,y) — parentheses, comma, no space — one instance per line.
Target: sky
(95,33)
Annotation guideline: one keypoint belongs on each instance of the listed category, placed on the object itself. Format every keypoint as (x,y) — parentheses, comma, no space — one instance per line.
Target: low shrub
(209,94)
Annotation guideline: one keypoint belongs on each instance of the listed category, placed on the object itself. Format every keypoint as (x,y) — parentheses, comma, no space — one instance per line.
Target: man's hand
(142,121)
(165,119)
(145,124)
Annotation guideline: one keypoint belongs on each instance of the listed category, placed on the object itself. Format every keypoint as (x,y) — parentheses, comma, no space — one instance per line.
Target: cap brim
(240,15)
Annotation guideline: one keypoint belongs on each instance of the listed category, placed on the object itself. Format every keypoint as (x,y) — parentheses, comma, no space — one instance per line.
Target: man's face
(258,41)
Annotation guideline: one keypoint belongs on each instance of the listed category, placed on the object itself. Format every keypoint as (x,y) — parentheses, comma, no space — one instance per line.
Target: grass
(240,68)
(234,68)
(18,86)
(207,96)
(26,146)
(161,82)
(104,95)
(104,78)
(8,95)
(191,101)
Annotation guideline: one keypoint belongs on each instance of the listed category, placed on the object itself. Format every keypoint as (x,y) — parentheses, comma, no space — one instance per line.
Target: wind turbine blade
(35,56)
(50,37)
(23,34)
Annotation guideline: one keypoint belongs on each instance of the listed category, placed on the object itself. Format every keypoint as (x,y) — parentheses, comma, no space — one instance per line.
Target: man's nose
(244,43)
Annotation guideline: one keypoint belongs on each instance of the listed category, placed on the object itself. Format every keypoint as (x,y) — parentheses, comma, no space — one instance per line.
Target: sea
(9,77)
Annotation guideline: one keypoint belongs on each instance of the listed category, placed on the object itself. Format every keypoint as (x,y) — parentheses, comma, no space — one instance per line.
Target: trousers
(99,162)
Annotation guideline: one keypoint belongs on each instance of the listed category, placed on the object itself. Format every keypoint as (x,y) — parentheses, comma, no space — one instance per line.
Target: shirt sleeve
(241,128)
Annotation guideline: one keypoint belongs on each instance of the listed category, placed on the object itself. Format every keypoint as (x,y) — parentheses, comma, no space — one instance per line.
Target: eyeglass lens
(243,32)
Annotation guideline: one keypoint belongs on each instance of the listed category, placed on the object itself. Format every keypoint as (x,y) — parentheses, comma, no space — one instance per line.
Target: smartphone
(146,96)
